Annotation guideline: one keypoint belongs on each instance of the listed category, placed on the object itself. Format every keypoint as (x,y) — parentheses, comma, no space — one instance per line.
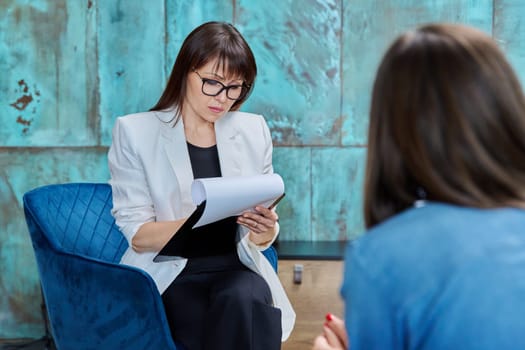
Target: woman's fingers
(337,326)
(328,341)
(254,225)
(259,221)
(333,339)
(320,343)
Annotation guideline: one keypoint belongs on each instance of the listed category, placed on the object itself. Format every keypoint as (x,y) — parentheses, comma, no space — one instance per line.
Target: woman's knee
(245,287)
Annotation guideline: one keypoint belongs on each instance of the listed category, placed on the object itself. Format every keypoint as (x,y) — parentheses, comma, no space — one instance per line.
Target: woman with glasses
(223,294)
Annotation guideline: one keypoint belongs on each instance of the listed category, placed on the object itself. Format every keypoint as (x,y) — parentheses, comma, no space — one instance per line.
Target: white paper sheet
(230,196)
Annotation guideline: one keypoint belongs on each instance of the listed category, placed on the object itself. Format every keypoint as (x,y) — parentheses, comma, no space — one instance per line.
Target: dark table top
(310,250)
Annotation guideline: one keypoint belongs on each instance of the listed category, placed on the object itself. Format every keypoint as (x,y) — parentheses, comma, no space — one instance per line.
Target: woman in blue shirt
(442,265)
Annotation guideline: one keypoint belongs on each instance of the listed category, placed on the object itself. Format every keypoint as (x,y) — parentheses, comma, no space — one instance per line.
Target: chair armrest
(117,305)
(271,254)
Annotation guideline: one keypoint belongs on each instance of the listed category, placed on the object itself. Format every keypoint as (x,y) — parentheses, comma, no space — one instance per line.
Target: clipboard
(219,198)
(174,249)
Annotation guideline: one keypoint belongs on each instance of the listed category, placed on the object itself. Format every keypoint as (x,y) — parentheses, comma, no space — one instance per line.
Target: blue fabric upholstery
(93,302)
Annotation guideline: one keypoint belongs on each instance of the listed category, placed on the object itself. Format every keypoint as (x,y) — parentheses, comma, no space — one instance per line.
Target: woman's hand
(261,223)
(334,335)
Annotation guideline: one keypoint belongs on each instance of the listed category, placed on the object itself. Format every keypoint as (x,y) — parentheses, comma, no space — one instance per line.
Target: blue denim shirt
(438,277)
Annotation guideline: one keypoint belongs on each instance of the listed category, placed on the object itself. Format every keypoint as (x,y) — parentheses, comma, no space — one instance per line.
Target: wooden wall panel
(509,32)
(297,47)
(20,171)
(131,45)
(183,16)
(337,182)
(46,63)
(295,212)
(368,28)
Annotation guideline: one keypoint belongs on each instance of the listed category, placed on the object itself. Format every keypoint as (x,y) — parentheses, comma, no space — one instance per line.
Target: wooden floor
(312,299)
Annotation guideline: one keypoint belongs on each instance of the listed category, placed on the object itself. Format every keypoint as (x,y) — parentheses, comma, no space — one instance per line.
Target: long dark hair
(209,41)
(447,119)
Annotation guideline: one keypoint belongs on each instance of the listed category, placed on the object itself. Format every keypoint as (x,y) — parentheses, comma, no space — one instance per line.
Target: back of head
(219,41)
(448,120)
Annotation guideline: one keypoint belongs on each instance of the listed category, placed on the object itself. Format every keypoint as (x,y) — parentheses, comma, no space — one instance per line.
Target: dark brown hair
(447,119)
(209,41)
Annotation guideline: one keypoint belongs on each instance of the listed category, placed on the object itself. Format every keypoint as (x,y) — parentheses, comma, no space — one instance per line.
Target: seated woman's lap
(222,306)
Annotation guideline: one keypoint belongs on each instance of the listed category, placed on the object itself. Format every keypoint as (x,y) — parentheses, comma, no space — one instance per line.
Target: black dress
(216,302)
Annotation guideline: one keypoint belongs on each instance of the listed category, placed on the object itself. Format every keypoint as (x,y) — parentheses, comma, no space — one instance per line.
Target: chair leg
(49,343)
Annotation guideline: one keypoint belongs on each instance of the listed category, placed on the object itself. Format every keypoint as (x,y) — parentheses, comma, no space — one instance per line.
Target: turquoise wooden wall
(69,67)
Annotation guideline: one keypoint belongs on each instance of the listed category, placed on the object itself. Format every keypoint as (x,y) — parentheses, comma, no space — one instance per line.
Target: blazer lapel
(228,146)
(174,142)
(176,149)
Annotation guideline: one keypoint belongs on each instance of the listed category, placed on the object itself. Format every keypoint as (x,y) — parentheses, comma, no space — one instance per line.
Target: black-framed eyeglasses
(211,87)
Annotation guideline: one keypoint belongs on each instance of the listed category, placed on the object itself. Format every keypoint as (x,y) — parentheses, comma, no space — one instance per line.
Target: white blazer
(151,178)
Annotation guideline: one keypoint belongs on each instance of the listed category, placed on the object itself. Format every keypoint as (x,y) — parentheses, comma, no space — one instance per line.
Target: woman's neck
(199,133)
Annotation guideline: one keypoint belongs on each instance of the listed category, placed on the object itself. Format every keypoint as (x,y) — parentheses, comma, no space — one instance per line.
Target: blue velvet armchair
(93,302)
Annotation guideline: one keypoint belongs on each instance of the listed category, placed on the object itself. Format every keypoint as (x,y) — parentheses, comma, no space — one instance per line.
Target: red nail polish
(329,317)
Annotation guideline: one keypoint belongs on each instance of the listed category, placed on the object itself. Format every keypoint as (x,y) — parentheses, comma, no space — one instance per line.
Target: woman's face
(209,108)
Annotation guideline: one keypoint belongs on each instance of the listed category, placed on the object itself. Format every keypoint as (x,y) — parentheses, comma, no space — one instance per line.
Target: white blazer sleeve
(268,149)
(132,204)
